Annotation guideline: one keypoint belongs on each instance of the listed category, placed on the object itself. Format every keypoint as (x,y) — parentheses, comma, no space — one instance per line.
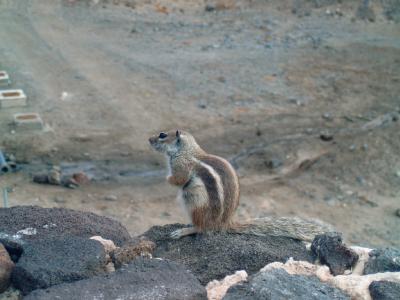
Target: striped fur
(221,189)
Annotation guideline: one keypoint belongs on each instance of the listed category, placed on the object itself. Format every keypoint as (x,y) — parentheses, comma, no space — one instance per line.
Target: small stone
(398,174)
(326,137)
(108,245)
(352,147)
(81,178)
(398,212)
(59,199)
(327,116)
(111,198)
(209,8)
(365,147)
(332,252)
(6,267)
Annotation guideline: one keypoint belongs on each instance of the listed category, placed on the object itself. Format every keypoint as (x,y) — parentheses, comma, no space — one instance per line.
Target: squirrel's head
(173,143)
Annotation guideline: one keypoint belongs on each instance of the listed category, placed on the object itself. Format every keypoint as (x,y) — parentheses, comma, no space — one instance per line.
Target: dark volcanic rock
(383,260)
(141,279)
(280,285)
(333,253)
(215,255)
(21,224)
(56,260)
(384,290)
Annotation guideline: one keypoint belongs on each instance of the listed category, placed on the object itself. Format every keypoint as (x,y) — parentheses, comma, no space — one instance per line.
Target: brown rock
(6,266)
(81,178)
(127,253)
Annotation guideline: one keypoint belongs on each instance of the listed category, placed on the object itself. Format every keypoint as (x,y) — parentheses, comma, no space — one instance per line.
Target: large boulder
(383,260)
(141,279)
(6,267)
(22,224)
(215,255)
(53,261)
(277,284)
(331,251)
(384,290)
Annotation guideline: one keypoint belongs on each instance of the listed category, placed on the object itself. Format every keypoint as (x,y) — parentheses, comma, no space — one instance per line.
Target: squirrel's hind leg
(177,234)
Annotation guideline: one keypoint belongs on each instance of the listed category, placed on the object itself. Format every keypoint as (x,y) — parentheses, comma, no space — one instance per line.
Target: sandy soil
(257,82)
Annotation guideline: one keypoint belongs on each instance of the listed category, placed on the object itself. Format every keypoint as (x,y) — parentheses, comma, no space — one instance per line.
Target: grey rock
(331,251)
(384,290)
(383,260)
(54,222)
(274,163)
(56,260)
(215,255)
(142,279)
(280,285)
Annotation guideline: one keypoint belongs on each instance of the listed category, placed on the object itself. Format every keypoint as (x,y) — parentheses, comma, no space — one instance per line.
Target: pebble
(327,116)
(398,174)
(58,199)
(352,147)
(397,212)
(326,137)
(111,198)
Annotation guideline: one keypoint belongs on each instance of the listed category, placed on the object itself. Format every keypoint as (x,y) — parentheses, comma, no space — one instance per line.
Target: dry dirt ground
(257,82)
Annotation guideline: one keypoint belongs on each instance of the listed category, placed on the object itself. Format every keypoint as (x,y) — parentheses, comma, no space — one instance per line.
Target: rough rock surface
(141,279)
(128,252)
(57,260)
(383,260)
(21,224)
(215,255)
(6,266)
(331,251)
(384,290)
(279,285)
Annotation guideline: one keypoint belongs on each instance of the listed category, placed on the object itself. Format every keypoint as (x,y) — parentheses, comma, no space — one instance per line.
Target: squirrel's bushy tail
(293,227)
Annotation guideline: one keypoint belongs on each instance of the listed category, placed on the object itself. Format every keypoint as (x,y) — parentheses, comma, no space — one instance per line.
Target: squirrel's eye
(163,135)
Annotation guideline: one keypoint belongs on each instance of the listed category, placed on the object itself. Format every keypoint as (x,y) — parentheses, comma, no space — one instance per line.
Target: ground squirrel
(209,191)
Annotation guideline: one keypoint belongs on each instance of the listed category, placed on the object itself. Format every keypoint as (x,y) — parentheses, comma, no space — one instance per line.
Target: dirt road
(254,82)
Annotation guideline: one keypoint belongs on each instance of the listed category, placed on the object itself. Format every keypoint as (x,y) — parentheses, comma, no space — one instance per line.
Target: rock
(6,267)
(142,279)
(398,212)
(279,285)
(326,136)
(383,260)
(384,290)
(217,289)
(80,178)
(111,198)
(332,252)
(129,252)
(56,260)
(108,245)
(54,222)
(215,255)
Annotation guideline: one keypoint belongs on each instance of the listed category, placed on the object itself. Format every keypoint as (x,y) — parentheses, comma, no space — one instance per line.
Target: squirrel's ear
(178,134)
